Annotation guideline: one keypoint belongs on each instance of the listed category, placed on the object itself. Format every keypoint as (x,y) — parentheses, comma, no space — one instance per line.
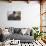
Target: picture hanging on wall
(14,15)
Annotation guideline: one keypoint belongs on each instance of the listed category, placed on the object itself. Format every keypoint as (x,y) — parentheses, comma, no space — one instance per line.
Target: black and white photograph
(14,15)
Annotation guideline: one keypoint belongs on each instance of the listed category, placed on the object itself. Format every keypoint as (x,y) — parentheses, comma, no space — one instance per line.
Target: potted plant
(37,33)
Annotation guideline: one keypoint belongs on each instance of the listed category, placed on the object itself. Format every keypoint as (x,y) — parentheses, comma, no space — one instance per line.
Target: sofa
(17,34)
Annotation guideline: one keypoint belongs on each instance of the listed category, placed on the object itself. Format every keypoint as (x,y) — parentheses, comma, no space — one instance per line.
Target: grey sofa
(22,38)
(17,35)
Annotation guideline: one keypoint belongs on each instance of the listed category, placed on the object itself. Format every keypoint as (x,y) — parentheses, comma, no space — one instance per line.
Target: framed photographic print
(14,15)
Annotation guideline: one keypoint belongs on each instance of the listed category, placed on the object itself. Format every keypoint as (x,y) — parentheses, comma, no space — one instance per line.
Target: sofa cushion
(11,30)
(17,30)
(23,31)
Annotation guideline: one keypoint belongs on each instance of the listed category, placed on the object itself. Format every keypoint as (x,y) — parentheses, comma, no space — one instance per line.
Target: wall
(30,14)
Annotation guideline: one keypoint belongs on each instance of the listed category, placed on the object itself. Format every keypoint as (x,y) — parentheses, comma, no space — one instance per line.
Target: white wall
(30,14)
